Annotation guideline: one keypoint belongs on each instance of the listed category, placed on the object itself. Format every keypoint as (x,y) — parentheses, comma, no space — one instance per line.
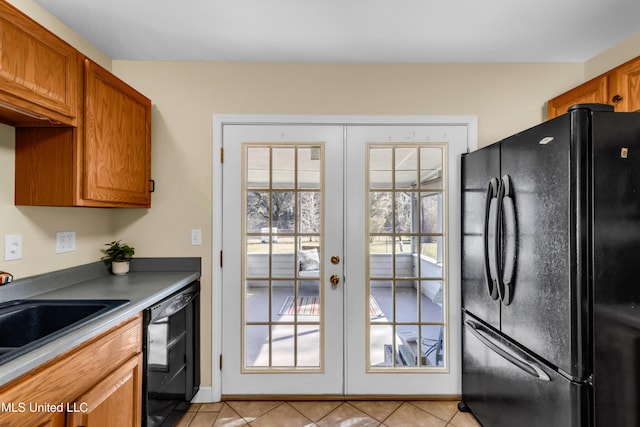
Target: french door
(338,251)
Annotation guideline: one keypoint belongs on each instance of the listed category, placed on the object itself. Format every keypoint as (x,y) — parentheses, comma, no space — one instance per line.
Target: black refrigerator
(551,274)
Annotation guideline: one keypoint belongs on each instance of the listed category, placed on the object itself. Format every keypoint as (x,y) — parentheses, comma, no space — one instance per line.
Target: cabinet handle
(153,185)
(616,99)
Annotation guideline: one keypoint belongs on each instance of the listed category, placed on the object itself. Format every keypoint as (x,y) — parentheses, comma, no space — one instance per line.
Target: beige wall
(506,98)
(624,51)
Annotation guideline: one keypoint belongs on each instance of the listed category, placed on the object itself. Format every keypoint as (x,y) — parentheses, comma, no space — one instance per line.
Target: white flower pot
(120,268)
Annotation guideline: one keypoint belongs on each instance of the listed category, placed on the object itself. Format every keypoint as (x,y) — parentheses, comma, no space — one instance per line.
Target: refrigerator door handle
(490,237)
(510,241)
(508,353)
(498,241)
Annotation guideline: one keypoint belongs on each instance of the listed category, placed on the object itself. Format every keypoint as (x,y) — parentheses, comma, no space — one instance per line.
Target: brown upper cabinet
(38,73)
(117,140)
(619,87)
(625,86)
(103,162)
(83,136)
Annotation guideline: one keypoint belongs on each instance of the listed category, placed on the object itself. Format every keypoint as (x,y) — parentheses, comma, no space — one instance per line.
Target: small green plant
(118,252)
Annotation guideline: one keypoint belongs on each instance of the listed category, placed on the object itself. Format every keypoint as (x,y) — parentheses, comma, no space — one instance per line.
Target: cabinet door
(14,414)
(117,140)
(38,71)
(116,401)
(625,87)
(593,91)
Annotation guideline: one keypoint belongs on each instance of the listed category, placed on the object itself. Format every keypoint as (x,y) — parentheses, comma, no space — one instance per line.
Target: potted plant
(119,254)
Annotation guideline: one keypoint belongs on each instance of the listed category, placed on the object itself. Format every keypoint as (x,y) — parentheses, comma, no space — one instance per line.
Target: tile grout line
(432,414)
(303,415)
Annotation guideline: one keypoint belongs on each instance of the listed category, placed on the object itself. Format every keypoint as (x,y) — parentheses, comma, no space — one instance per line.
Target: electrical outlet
(65,241)
(196,237)
(12,247)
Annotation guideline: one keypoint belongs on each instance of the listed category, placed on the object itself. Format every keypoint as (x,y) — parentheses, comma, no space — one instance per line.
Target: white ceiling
(351,30)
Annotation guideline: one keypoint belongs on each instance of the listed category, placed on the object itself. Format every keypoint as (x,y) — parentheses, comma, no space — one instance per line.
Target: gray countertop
(149,281)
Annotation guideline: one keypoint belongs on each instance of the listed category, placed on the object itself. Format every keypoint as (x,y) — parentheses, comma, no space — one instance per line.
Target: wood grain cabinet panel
(619,87)
(109,403)
(592,92)
(38,73)
(103,162)
(117,149)
(100,373)
(625,92)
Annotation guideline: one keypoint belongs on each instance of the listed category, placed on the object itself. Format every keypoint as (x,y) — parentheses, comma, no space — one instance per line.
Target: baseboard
(204,395)
(341,397)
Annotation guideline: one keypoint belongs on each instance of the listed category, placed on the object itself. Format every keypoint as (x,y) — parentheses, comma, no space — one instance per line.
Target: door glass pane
(381,306)
(283,302)
(433,344)
(407,259)
(284,165)
(282,310)
(257,212)
(406,301)
(309,211)
(257,310)
(381,349)
(308,345)
(283,206)
(380,170)
(258,160)
(256,345)
(406,167)
(431,160)
(308,168)
(404,211)
(283,345)
(380,211)
(431,218)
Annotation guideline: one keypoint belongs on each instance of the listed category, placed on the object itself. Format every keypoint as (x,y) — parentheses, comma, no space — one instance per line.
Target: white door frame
(213,394)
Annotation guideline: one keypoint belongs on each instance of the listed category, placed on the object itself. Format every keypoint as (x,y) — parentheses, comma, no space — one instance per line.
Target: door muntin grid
(282,311)
(406,255)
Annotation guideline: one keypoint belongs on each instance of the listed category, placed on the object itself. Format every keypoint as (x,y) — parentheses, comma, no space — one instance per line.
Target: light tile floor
(327,414)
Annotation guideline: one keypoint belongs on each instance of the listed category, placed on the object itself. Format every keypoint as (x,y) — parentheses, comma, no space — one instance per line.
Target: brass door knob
(334,279)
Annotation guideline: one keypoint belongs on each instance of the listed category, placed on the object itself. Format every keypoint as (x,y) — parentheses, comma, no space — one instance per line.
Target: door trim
(219,121)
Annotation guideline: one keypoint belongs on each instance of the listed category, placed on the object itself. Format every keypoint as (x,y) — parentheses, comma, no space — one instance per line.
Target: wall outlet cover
(65,241)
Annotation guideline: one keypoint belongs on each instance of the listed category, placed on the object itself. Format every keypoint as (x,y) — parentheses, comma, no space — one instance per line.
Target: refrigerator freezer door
(505,386)
(616,207)
(538,312)
(617,366)
(480,174)
(616,256)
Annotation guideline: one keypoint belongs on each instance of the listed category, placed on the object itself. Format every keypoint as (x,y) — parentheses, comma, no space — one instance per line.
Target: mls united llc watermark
(24,407)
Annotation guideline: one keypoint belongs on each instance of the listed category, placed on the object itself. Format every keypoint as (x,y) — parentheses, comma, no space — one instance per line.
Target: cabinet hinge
(220,259)
(221,362)
(221,155)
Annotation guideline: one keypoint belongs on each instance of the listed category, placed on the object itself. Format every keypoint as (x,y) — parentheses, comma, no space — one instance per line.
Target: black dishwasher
(171,356)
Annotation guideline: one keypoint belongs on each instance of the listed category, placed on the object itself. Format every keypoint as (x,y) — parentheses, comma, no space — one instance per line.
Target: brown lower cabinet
(96,384)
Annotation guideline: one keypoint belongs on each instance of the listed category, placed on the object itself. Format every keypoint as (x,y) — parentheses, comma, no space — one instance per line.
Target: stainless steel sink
(28,324)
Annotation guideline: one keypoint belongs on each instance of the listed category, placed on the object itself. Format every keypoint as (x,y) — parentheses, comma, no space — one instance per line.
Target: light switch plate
(12,247)
(196,237)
